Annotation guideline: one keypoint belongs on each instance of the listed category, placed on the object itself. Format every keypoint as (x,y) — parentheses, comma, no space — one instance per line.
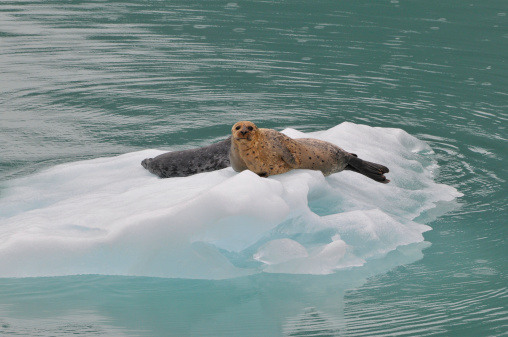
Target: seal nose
(244,131)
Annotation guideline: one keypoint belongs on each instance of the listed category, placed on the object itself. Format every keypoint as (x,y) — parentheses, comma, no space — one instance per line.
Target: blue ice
(110,216)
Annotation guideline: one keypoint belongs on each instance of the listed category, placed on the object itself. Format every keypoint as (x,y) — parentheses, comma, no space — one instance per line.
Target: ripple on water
(416,313)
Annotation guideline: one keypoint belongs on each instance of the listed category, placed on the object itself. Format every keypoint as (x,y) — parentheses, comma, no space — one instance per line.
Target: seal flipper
(372,170)
(287,152)
(289,158)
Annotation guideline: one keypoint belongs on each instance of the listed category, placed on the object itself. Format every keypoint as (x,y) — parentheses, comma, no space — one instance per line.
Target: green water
(81,80)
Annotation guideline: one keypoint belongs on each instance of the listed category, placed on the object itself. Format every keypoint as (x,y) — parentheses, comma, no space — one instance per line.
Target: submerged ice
(110,216)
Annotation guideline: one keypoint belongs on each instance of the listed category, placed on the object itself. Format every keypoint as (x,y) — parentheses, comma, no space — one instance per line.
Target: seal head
(244,131)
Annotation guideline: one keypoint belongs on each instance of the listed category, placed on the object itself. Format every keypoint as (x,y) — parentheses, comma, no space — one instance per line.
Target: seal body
(268,152)
(265,152)
(188,162)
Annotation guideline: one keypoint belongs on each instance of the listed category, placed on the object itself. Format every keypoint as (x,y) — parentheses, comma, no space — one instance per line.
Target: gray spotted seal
(188,162)
(268,152)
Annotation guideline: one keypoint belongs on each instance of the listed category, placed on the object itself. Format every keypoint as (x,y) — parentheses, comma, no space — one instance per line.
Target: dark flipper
(188,162)
(371,170)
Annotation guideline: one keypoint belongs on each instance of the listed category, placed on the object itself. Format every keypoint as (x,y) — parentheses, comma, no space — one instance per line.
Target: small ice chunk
(281,250)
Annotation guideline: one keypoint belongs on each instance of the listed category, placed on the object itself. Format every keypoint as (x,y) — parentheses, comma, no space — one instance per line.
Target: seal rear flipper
(372,170)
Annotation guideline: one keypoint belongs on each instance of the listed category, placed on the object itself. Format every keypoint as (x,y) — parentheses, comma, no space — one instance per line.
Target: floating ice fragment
(111,216)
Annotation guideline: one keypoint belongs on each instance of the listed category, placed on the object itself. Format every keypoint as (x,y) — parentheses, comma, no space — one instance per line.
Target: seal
(268,152)
(189,162)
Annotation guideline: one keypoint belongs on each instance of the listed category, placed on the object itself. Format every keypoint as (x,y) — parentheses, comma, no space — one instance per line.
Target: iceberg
(110,216)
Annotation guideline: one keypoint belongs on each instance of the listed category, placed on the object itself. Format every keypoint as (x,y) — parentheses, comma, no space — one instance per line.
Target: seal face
(268,152)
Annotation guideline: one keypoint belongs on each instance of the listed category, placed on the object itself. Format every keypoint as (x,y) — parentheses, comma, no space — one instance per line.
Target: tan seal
(268,152)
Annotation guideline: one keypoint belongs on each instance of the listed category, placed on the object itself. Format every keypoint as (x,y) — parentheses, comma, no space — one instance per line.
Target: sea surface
(91,244)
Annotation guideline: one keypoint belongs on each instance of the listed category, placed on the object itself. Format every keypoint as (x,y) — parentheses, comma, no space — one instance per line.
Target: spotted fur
(190,162)
(268,152)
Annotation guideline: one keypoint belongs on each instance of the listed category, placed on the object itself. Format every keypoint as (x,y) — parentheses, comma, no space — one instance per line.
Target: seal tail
(372,170)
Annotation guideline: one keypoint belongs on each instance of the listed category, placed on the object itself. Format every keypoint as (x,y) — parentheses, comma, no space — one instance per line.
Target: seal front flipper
(286,149)
(372,170)
(289,158)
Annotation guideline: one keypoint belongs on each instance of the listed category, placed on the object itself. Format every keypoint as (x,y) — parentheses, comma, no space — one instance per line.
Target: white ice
(111,216)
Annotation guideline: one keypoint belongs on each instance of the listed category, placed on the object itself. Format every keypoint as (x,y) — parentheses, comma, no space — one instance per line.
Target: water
(86,82)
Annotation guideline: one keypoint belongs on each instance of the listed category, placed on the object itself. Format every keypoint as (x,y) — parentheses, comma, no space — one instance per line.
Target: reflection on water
(264,305)
(456,307)
(261,305)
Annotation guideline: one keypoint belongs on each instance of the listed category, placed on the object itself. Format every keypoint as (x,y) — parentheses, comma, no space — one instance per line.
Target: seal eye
(238,127)
(250,128)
